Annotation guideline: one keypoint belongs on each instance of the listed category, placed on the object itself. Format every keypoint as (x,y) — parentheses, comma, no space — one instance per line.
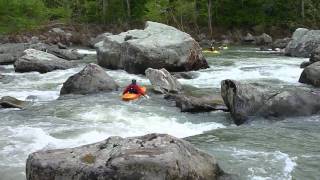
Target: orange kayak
(131,96)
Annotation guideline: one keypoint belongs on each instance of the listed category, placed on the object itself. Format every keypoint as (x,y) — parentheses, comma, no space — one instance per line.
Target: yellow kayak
(132,96)
(211,52)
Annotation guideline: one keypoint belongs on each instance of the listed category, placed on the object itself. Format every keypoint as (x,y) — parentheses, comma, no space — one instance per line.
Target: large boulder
(157,46)
(245,100)
(35,60)
(194,104)
(303,42)
(153,156)
(11,102)
(162,81)
(91,79)
(311,74)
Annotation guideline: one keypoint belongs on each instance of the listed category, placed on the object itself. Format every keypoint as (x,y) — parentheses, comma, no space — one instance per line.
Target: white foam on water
(264,162)
(123,122)
(86,51)
(45,87)
(124,78)
(286,70)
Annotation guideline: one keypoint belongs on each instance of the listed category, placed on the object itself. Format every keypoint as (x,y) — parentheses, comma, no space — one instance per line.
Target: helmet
(134,81)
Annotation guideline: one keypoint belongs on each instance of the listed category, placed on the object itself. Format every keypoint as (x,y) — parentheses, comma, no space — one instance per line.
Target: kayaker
(134,88)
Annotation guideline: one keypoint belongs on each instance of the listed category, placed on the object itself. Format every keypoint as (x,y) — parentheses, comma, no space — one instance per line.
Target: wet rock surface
(92,79)
(162,81)
(35,60)
(245,101)
(153,156)
(157,46)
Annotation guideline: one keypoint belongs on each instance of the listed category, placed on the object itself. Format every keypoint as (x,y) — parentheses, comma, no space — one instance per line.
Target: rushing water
(261,149)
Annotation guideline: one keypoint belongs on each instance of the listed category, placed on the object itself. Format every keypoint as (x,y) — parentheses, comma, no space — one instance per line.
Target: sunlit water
(261,149)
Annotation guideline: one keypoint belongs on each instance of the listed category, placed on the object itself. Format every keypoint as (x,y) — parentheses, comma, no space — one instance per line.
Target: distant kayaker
(134,88)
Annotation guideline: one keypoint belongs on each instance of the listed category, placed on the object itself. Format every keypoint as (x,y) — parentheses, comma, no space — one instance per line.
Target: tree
(210,17)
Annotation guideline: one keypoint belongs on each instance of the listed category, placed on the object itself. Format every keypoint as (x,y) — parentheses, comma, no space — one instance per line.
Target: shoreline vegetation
(210,18)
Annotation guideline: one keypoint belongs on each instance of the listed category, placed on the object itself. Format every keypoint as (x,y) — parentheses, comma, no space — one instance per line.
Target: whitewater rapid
(60,123)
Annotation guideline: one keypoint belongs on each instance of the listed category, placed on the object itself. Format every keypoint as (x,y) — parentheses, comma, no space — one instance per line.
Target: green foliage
(20,14)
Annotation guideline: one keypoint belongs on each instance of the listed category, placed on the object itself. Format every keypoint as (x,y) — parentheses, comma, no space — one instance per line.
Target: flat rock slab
(153,156)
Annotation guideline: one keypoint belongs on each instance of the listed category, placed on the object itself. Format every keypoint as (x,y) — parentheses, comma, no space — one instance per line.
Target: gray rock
(157,46)
(11,102)
(185,75)
(35,60)
(153,156)
(263,39)
(10,52)
(249,38)
(7,59)
(57,30)
(99,38)
(303,42)
(281,43)
(311,74)
(162,81)
(62,46)
(91,79)
(34,40)
(67,54)
(244,101)
(315,55)
(197,104)
(305,64)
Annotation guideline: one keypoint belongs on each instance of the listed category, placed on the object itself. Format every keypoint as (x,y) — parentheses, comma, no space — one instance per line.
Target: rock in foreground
(153,156)
(157,46)
(35,60)
(245,100)
(91,79)
(162,81)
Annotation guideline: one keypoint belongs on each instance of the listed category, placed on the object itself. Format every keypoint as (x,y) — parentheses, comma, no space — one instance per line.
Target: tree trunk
(210,16)
(128,9)
(104,11)
(302,10)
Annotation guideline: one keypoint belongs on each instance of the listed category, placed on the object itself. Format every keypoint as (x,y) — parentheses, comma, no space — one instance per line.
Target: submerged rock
(185,75)
(197,104)
(11,102)
(244,100)
(162,81)
(35,60)
(153,156)
(303,42)
(311,74)
(91,79)
(157,46)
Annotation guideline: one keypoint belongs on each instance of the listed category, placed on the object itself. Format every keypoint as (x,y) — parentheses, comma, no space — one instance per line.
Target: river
(258,150)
